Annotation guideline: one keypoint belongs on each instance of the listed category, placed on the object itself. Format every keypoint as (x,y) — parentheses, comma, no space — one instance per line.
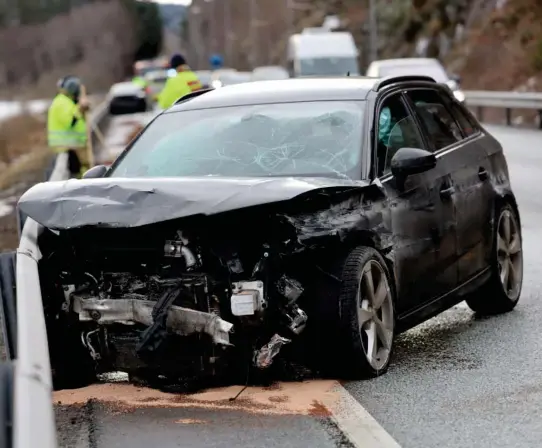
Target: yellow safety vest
(178,86)
(66,126)
(139,81)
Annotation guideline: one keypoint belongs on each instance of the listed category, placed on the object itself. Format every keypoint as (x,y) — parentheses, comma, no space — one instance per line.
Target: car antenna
(347,73)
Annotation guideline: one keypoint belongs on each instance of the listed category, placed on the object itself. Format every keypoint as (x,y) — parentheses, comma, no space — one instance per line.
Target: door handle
(447,193)
(483,174)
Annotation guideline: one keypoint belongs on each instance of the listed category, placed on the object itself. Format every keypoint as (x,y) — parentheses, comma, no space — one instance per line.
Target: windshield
(321,139)
(328,66)
(433,70)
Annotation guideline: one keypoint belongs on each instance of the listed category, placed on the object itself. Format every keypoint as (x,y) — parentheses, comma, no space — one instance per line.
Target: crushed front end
(182,298)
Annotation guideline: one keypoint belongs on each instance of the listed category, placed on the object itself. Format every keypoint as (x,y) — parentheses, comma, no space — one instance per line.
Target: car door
(475,197)
(422,222)
(461,151)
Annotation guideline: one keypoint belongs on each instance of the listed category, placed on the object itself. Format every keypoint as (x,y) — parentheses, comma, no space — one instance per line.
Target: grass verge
(23,147)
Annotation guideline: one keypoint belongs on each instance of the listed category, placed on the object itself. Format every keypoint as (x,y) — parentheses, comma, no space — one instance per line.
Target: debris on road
(264,357)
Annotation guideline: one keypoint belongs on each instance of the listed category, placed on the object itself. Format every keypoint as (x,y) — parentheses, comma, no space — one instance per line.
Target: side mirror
(95,172)
(408,161)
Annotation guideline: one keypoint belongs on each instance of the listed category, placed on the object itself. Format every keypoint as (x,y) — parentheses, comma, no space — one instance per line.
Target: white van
(322,54)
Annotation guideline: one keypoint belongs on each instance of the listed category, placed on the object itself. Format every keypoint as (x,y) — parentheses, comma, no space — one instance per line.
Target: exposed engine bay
(179,301)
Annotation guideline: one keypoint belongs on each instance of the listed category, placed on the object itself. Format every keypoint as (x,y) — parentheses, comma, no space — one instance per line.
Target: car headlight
(216,84)
(459,95)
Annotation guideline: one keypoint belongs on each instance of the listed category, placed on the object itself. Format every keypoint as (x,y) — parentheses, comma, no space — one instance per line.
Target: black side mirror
(95,172)
(408,161)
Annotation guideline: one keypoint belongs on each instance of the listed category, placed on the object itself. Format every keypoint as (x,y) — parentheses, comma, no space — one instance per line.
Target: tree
(149,26)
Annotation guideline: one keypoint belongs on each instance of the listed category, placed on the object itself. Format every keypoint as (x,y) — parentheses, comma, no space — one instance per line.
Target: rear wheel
(367,314)
(502,291)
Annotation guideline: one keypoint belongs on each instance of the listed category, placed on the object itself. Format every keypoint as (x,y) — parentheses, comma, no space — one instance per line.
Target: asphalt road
(97,426)
(461,382)
(456,381)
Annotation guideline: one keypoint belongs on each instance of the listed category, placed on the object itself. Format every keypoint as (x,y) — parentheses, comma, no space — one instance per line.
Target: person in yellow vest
(139,81)
(184,82)
(66,125)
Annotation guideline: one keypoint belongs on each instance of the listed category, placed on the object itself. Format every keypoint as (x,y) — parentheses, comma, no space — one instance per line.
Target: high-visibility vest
(139,81)
(66,126)
(178,86)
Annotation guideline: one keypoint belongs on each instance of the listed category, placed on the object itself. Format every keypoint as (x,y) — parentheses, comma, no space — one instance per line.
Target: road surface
(455,381)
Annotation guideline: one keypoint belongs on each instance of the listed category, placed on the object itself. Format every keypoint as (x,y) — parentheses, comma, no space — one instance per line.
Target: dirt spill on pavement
(300,398)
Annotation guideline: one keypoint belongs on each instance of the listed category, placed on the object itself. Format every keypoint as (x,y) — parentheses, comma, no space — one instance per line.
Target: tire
(493,297)
(362,358)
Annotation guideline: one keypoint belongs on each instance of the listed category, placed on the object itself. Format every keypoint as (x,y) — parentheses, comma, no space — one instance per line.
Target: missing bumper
(182,321)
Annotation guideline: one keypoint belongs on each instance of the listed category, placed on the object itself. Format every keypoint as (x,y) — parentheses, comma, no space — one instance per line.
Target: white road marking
(356,423)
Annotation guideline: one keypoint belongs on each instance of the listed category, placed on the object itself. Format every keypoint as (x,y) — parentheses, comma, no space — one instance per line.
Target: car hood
(122,202)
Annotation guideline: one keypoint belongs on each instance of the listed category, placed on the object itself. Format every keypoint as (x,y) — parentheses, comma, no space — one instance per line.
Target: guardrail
(33,384)
(480,99)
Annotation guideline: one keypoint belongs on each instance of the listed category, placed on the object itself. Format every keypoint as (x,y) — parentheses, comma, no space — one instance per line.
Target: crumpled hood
(122,202)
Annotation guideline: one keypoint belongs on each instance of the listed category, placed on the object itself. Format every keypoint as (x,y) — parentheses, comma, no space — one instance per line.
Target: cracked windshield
(292,139)
(270,223)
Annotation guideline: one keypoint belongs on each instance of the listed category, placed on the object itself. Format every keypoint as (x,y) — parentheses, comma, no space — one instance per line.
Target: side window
(396,129)
(440,124)
(467,123)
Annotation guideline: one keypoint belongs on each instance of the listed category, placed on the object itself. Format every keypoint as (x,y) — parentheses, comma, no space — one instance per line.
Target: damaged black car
(327,215)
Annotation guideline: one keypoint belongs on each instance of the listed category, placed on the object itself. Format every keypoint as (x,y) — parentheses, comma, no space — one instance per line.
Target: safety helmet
(71,85)
(216,61)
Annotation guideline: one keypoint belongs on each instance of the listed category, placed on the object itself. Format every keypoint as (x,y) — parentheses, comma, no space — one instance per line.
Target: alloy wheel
(509,254)
(375,315)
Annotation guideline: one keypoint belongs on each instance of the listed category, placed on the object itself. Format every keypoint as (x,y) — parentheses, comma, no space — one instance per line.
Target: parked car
(417,66)
(269,73)
(205,77)
(127,98)
(327,215)
(228,77)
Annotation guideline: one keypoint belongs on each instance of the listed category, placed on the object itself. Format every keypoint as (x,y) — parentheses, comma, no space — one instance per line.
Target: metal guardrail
(480,99)
(33,384)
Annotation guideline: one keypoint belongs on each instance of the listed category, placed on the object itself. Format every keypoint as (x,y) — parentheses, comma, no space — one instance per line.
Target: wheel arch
(381,242)
(508,198)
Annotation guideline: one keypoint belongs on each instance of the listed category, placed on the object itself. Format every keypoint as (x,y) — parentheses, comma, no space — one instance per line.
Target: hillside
(465,34)
(173,16)
(97,40)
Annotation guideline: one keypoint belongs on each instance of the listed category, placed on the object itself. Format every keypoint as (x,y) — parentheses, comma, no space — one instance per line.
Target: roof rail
(191,95)
(389,80)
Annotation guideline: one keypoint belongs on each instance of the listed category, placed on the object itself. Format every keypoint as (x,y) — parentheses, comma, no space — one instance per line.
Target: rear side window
(467,123)
(439,123)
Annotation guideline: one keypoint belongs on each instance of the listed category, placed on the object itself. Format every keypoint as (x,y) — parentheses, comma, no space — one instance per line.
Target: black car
(127,98)
(323,214)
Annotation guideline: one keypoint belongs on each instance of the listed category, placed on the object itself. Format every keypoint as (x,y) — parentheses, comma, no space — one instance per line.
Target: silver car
(416,66)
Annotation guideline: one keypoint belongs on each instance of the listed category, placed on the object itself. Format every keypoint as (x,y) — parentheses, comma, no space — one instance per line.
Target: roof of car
(402,61)
(124,88)
(282,91)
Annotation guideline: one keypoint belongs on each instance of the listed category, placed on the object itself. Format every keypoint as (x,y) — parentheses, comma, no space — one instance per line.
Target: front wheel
(502,291)
(367,314)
